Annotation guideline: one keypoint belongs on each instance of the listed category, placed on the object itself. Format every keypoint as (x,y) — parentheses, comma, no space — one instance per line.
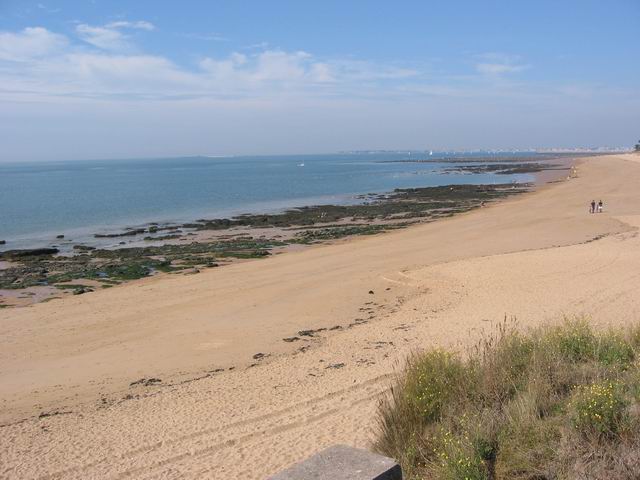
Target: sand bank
(537,257)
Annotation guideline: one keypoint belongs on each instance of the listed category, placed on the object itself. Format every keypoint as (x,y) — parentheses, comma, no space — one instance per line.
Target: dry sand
(538,257)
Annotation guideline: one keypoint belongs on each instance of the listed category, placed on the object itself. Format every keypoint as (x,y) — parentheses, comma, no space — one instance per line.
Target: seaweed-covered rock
(128,233)
(83,248)
(31,252)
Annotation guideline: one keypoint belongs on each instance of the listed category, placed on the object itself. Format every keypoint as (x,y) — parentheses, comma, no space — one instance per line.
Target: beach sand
(68,410)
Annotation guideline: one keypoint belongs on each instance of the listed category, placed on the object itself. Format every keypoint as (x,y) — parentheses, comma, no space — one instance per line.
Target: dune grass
(553,403)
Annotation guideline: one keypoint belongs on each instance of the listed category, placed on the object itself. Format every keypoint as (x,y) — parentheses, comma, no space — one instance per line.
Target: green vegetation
(503,168)
(334,232)
(407,203)
(557,402)
(124,264)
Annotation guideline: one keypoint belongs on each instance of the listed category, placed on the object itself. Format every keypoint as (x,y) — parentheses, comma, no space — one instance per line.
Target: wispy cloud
(103,62)
(257,46)
(496,64)
(141,25)
(107,64)
(111,36)
(47,9)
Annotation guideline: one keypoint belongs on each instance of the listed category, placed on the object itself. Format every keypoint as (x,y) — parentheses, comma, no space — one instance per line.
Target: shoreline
(82,234)
(258,235)
(438,283)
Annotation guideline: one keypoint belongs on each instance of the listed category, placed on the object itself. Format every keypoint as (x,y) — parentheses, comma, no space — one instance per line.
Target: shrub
(527,448)
(598,408)
(557,402)
(458,458)
(614,350)
(434,382)
(575,341)
(502,364)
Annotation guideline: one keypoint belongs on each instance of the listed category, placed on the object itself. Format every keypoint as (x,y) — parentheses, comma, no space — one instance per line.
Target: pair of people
(596,207)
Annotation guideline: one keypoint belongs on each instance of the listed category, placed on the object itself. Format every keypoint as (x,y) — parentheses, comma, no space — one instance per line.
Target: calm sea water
(79,198)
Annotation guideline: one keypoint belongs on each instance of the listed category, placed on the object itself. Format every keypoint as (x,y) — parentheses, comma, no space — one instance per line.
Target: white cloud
(499,68)
(140,25)
(43,7)
(107,65)
(361,70)
(102,37)
(110,36)
(322,72)
(273,65)
(496,64)
(30,43)
(268,69)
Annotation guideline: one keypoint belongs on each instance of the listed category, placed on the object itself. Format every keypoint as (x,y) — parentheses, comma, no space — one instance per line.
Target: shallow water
(80,198)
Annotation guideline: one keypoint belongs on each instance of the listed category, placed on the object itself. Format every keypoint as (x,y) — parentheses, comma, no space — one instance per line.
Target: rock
(59,236)
(128,233)
(81,290)
(145,382)
(291,339)
(310,333)
(52,414)
(335,365)
(83,248)
(29,252)
(370,292)
(259,356)
(3,242)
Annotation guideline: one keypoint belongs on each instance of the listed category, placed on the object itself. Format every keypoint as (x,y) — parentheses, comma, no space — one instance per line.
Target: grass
(556,402)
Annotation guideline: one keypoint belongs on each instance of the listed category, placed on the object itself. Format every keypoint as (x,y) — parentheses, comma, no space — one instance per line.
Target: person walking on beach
(593,207)
(600,205)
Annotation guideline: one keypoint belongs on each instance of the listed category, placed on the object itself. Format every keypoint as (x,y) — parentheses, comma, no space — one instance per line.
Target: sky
(126,79)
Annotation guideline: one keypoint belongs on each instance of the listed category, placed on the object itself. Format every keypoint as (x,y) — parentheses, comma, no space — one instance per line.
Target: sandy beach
(189,376)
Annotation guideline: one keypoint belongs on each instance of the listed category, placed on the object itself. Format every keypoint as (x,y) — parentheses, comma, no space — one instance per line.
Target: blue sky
(121,79)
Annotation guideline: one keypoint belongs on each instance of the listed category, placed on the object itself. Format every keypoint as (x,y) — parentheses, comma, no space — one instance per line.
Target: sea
(78,199)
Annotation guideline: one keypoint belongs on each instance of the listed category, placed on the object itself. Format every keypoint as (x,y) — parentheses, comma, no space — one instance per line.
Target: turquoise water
(79,198)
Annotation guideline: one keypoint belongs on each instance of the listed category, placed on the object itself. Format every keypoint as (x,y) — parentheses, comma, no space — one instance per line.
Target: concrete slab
(340,462)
